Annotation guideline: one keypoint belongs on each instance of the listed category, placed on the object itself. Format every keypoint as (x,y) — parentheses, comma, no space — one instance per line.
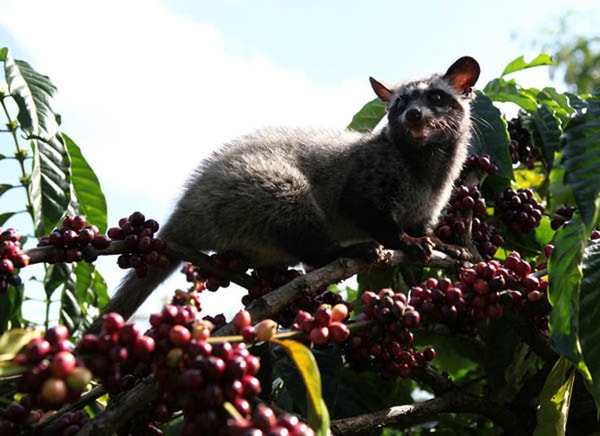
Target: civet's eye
(401,102)
(436,97)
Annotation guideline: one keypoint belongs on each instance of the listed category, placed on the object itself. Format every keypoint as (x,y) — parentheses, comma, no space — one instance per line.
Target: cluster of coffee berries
(194,372)
(141,247)
(55,375)
(458,305)
(565,213)
(202,279)
(518,209)
(118,355)
(385,346)
(273,278)
(482,163)
(327,324)
(264,330)
(268,279)
(185,298)
(68,424)
(217,321)
(198,376)
(521,147)
(75,241)
(10,259)
(263,421)
(482,293)
(16,416)
(242,322)
(309,303)
(438,300)
(466,211)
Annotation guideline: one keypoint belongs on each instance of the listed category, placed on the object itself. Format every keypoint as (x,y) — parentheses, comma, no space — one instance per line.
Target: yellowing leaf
(13,340)
(318,415)
(555,399)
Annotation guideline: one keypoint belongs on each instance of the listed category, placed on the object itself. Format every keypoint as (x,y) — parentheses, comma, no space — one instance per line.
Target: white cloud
(147,93)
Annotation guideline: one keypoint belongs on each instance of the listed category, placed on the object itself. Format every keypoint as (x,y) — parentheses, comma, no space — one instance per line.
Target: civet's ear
(463,74)
(382,91)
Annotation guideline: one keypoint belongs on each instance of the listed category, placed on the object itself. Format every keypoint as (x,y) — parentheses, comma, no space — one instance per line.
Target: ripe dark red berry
(429,354)
(62,364)
(242,319)
(319,335)
(57,333)
(112,322)
(518,209)
(338,332)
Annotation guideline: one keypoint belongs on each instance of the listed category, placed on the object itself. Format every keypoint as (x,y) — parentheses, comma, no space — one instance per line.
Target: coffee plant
(502,343)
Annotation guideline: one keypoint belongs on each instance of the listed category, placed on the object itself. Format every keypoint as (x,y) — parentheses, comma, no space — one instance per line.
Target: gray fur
(283,196)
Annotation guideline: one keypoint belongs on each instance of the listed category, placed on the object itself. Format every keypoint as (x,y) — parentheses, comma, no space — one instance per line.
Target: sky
(147,88)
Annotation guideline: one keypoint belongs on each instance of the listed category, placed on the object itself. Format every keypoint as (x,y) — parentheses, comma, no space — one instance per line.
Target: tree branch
(83,401)
(122,410)
(44,254)
(408,415)
(205,262)
(450,398)
(338,270)
(271,303)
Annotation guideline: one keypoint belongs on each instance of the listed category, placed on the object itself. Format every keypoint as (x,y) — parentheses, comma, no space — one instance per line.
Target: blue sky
(147,88)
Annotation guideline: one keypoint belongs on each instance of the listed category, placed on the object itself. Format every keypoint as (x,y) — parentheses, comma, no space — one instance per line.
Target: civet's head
(433,110)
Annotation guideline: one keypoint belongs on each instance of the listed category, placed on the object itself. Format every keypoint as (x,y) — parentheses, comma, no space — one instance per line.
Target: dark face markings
(433,98)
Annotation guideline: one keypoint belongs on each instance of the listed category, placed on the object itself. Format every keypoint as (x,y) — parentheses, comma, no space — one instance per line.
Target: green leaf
(589,314)
(555,400)
(524,363)
(92,291)
(318,416)
(70,313)
(5,187)
(520,64)
(10,308)
(57,275)
(559,193)
(564,277)
(582,160)
(90,197)
(562,105)
(349,393)
(368,116)
(576,102)
(5,217)
(490,135)
(81,288)
(50,183)
(546,133)
(508,91)
(34,96)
